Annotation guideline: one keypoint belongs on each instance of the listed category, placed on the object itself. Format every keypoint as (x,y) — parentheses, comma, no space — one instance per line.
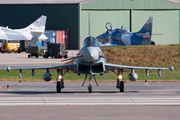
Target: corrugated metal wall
(130,4)
(165,22)
(132,14)
(98,19)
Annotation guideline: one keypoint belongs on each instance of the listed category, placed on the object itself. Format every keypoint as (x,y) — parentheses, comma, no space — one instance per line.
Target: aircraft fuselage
(123,37)
(90,62)
(34,31)
(9,34)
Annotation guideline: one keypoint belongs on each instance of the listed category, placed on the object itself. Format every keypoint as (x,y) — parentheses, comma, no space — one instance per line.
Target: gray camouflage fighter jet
(118,37)
(34,31)
(91,61)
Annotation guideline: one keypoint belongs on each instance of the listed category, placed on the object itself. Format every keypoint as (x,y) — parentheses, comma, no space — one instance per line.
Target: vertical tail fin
(147,26)
(38,25)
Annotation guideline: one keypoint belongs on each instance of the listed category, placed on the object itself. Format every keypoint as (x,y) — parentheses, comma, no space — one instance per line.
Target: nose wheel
(90,88)
(90,84)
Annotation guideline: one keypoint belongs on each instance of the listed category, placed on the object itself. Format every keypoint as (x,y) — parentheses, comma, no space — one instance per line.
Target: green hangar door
(165,22)
(98,20)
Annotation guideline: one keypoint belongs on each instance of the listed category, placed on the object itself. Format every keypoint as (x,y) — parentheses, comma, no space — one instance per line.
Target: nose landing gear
(90,88)
(90,82)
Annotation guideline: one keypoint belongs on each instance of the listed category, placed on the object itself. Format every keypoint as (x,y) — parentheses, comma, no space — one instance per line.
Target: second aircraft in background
(118,37)
(34,31)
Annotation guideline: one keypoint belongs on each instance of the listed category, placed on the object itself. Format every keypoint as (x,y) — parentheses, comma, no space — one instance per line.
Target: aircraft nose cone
(98,37)
(102,37)
(90,54)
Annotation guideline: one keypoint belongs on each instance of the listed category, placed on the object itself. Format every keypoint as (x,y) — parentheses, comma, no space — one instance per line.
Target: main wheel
(29,56)
(121,86)
(90,89)
(58,87)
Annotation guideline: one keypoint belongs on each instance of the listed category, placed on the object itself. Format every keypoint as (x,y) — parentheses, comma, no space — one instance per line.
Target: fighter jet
(34,31)
(122,37)
(90,61)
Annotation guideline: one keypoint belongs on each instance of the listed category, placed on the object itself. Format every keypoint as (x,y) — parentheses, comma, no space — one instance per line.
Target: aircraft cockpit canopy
(90,42)
(121,30)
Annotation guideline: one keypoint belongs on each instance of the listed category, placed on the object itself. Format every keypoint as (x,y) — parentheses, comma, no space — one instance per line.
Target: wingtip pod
(8,68)
(171,68)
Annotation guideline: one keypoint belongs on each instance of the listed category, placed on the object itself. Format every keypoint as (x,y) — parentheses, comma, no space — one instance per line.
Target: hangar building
(72,15)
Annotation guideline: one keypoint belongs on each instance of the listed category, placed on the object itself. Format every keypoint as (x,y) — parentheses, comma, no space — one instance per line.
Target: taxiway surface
(22,60)
(136,93)
(38,100)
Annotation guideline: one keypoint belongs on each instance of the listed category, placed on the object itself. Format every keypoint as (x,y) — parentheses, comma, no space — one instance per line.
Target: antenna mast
(89,26)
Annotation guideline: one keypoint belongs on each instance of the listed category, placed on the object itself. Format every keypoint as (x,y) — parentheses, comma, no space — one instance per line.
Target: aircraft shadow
(54,92)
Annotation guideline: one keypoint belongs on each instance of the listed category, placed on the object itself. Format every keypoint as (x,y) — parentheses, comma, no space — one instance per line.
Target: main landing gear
(60,81)
(120,82)
(90,82)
